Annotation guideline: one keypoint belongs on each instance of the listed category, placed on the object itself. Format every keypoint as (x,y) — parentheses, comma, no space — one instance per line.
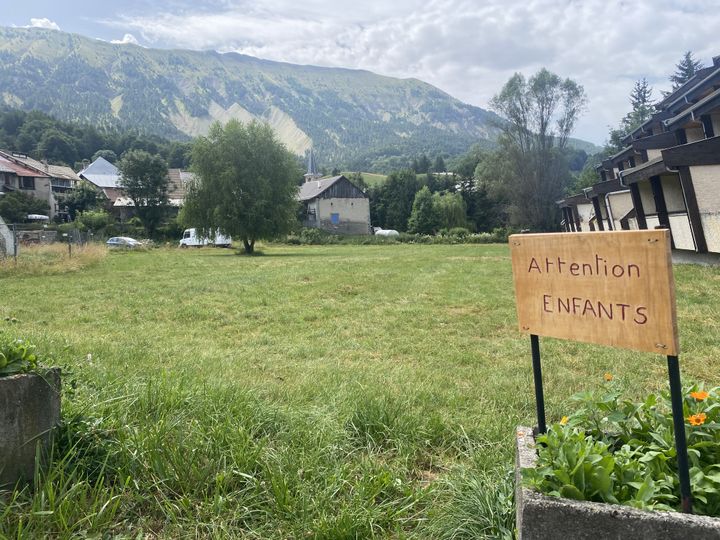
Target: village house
(667,174)
(36,178)
(106,178)
(333,204)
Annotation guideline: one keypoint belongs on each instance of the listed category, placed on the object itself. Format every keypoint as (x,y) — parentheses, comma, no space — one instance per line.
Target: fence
(13,237)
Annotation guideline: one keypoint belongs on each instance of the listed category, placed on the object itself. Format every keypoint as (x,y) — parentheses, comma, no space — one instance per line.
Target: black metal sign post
(537,376)
(679,427)
(676,400)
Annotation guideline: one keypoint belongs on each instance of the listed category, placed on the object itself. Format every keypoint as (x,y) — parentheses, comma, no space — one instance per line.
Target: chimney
(44,161)
(716,61)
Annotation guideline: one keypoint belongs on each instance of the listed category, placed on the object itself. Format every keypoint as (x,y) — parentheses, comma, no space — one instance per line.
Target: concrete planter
(29,411)
(543,517)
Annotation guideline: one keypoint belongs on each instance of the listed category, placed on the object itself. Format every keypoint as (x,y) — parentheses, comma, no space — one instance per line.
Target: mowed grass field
(371,179)
(311,392)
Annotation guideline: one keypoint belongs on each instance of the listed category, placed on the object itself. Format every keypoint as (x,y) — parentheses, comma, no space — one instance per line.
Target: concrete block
(547,518)
(29,412)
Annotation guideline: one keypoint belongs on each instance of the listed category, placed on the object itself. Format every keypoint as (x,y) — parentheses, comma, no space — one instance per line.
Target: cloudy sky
(466,48)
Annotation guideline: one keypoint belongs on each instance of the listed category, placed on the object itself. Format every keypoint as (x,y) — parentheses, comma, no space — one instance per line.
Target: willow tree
(245,184)
(540,114)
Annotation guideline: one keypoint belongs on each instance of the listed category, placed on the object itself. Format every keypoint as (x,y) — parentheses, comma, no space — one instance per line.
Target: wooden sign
(610,288)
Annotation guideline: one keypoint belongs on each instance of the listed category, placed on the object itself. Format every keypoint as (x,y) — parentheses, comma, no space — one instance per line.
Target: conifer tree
(642,109)
(684,70)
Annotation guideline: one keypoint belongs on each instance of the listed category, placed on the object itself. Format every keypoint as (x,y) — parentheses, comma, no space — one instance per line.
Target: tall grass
(48,259)
(315,392)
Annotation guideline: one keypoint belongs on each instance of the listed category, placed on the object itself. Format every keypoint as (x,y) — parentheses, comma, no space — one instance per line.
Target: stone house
(335,205)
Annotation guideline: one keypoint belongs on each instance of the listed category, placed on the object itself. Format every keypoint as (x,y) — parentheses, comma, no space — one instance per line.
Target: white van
(191,239)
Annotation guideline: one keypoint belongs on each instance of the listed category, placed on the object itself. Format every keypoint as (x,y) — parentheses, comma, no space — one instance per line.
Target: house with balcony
(39,179)
(16,177)
(668,174)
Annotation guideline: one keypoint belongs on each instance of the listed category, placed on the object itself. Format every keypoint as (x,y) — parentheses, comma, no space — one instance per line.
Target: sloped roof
(178,182)
(54,171)
(693,112)
(102,173)
(643,171)
(310,190)
(15,168)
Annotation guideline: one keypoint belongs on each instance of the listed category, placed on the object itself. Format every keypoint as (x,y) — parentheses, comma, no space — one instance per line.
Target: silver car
(123,242)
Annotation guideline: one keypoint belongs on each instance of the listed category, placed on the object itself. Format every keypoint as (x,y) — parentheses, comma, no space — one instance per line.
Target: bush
(170,231)
(621,452)
(16,205)
(456,235)
(460,232)
(94,220)
(16,356)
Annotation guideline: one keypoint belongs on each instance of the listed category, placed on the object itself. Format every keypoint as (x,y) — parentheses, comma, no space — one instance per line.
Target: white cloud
(43,23)
(467,48)
(127,39)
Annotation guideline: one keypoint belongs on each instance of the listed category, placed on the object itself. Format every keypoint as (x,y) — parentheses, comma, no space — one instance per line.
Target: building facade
(667,175)
(335,205)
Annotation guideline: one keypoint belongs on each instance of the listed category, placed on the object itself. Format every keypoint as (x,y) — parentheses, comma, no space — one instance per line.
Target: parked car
(191,239)
(123,242)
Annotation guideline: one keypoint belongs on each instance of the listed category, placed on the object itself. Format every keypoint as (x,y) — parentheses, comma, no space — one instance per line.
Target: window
(335,219)
(27,182)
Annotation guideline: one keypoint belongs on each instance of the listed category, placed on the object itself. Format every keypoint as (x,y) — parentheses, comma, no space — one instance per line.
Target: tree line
(43,137)
(513,185)
(641,110)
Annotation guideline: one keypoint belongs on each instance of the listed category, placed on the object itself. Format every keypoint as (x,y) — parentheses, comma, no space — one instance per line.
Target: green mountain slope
(347,115)
(353,118)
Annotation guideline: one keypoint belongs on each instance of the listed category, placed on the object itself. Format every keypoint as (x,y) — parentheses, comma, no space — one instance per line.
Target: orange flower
(564,420)
(608,377)
(700,396)
(697,419)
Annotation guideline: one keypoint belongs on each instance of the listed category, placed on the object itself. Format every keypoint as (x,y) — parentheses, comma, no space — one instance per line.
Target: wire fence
(14,237)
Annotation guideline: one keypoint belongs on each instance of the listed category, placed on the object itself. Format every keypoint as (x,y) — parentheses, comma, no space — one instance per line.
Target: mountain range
(352,118)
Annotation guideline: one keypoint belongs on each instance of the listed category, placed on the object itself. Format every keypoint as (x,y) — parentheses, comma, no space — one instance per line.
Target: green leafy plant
(16,356)
(616,451)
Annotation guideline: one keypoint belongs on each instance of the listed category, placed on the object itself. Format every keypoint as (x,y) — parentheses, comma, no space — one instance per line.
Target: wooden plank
(693,209)
(660,205)
(707,126)
(598,214)
(576,217)
(637,203)
(659,141)
(703,152)
(609,288)
(602,188)
(644,171)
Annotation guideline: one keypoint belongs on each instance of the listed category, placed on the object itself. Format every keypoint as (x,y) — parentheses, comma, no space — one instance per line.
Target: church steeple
(312,172)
